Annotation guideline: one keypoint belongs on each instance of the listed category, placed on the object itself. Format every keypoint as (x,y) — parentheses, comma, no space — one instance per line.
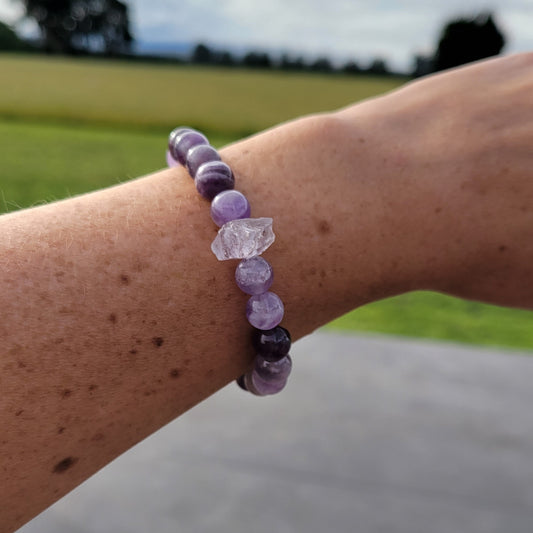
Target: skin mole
(112,318)
(324,227)
(64,465)
(157,341)
(174,373)
(502,248)
(124,279)
(65,393)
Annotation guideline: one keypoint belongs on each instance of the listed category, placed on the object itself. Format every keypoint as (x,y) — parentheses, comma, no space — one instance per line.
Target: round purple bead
(264,311)
(272,344)
(173,134)
(264,388)
(248,385)
(276,371)
(241,383)
(254,275)
(212,178)
(229,205)
(183,142)
(198,155)
(171,162)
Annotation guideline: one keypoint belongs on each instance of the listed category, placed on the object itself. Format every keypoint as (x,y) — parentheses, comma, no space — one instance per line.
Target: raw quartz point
(243,238)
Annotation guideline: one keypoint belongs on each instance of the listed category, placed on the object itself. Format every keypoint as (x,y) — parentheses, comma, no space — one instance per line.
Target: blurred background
(90,89)
(377,434)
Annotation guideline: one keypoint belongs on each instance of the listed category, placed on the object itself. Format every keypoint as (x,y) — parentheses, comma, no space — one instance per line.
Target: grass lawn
(229,101)
(68,127)
(46,162)
(436,316)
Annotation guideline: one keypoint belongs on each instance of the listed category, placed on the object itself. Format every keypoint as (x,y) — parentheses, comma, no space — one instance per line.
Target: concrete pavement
(373,435)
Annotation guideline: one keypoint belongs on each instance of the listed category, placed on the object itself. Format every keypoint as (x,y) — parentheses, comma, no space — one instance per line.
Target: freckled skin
(158,341)
(64,465)
(363,223)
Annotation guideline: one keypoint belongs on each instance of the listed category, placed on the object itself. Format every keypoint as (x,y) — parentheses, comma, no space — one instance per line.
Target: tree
(464,40)
(9,40)
(82,26)
(202,54)
(257,60)
(351,67)
(321,64)
(378,66)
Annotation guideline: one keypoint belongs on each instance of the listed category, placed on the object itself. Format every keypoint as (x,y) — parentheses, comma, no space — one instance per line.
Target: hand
(454,157)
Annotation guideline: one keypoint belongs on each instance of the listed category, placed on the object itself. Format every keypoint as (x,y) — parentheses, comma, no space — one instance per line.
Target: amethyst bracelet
(244,238)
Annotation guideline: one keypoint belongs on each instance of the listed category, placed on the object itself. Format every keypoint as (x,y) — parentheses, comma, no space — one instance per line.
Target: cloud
(344,28)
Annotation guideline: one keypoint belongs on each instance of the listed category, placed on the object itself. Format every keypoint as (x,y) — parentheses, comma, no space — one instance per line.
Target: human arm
(117,317)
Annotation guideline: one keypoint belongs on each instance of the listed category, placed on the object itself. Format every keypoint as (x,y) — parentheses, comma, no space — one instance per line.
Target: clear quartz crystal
(243,238)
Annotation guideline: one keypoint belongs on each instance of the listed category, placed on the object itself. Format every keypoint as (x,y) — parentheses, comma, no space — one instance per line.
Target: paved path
(372,436)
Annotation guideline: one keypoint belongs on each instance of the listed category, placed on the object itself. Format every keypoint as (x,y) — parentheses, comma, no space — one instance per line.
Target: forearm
(118,317)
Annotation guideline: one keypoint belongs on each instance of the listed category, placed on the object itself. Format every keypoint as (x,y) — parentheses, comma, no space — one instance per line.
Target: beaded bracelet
(244,238)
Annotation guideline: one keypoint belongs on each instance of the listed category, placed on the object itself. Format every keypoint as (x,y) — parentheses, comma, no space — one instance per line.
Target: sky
(342,29)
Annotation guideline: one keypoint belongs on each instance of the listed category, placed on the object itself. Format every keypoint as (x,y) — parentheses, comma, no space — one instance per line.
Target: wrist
(320,178)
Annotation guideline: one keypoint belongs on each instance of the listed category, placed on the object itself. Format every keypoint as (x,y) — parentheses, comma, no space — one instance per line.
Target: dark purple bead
(212,178)
(264,311)
(277,371)
(198,155)
(173,134)
(241,383)
(183,142)
(254,275)
(272,344)
(229,205)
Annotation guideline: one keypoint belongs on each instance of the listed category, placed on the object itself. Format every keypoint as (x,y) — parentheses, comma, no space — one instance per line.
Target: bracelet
(244,238)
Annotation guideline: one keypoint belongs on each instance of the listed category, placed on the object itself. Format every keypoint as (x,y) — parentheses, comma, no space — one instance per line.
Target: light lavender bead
(229,205)
(198,155)
(264,311)
(171,162)
(183,142)
(213,178)
(248,385)
(254,275)
(277,371)
(264,388)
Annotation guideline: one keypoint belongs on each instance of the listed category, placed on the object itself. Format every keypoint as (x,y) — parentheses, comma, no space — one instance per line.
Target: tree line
(102,27)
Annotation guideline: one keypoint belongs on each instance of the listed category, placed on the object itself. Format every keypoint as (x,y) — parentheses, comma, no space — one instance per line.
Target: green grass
(68,127)
(144,96)
(436,316)
(47,162)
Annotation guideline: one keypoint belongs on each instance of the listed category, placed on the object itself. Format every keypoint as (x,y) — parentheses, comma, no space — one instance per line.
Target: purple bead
(229,205)
(241,383)
(272,344)
(212,178)
(254,275)
(183,142)
(277,371)
(264,311)
(248,385)
(265,388)
(171,162)
(198,155)
(173,134)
